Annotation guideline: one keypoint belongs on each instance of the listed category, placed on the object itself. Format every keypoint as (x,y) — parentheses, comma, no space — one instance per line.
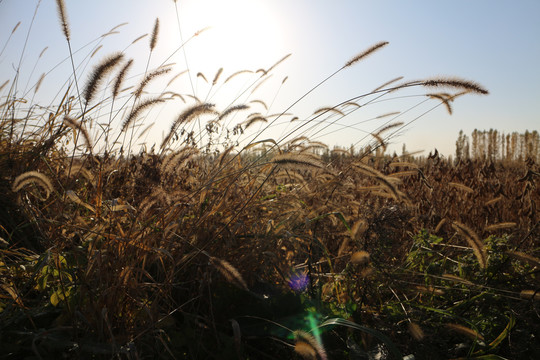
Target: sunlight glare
(243,34)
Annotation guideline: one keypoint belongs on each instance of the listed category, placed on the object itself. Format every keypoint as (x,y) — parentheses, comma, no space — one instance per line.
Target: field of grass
(203,247)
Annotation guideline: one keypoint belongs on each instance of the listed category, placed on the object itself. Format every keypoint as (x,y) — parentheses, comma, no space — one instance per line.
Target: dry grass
(123,250)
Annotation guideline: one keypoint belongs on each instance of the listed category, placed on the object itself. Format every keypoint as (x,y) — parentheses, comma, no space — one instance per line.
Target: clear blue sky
(493,42)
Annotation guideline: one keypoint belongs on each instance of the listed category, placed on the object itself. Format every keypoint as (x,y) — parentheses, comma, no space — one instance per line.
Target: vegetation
(493,145)
(207,247)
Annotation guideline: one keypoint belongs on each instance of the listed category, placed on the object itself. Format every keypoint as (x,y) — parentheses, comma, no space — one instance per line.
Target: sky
(492,42)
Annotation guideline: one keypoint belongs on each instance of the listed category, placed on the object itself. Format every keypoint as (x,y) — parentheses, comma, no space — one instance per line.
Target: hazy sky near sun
(493,42)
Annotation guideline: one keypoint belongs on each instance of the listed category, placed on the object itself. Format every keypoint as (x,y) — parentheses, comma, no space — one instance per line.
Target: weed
(226,242)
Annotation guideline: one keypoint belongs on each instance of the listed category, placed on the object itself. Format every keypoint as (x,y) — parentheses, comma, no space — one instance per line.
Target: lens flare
(299,281)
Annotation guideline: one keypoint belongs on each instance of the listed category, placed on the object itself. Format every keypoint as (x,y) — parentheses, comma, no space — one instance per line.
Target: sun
(241,34)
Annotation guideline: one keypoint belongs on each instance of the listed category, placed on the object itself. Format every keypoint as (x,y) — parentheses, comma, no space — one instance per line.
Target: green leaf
(503,335)
(60,295)
(55,300)
(63,260)
(45,270)
(42,282)
(342,218)
(67,275)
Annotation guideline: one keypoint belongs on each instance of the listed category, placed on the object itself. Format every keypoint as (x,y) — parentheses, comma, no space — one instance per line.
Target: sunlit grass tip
(474,241)
(297,160)
(216,77)
(151,76)
(100,71)
(457,83)
(185,117)
(79,128)
(366,53)
(137,110)
(155,33)
(62,14)
(120,78)
(34,177)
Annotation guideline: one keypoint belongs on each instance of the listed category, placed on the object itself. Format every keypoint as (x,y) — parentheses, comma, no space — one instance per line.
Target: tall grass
(188,248)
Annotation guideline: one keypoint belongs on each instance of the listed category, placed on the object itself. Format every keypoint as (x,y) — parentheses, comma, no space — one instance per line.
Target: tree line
(494,145)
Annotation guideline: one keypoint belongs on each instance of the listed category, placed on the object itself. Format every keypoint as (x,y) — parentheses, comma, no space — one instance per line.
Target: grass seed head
(120,78)
(460,329)
(62,14)
(457,83)
(360,258)
(99,73)
(155,33)
(366,53)
(32,177)
(474,241)
(229,272)
(416,331)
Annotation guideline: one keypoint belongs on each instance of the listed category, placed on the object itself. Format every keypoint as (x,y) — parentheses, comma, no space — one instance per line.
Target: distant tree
(493,145)
(522,146)
(462,146)
(514,145)
(475,149)
(466,151)
(490,144)
(535,145)
(482,144)
(509,154)
(459,146)
(501,141)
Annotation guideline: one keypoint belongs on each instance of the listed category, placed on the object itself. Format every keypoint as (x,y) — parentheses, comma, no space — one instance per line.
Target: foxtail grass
(33,177)
(131,118)
(97,76)
(140,223)
(307,346)
(474,241)
(470,333)
(62,14)
(154,36)
(229,272)
(149,77)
